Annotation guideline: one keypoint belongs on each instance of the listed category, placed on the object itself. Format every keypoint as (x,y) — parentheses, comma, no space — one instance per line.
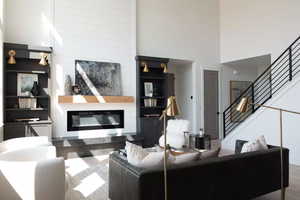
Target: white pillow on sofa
(139,157)
(184,158)
(259,144)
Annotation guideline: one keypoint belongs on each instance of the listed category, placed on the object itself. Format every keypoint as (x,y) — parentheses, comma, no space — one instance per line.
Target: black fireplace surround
(95,119)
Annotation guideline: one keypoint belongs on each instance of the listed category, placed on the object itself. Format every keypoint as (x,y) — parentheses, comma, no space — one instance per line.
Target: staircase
(277,75)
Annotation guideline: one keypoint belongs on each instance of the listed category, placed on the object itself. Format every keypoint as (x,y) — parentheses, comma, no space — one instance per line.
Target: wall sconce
(144,64)
(11,59)
(43,60)
(164,66)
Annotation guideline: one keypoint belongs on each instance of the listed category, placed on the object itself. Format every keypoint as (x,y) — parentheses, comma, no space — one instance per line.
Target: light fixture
(11,59)
(171,111)
(43,60)
(144,64)
(243,107)
(164,66)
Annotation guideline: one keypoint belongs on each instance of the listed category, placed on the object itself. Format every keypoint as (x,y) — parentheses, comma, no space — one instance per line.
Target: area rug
(88,177)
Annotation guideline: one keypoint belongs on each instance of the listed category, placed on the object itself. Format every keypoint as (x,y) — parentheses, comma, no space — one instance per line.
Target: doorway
(211,103)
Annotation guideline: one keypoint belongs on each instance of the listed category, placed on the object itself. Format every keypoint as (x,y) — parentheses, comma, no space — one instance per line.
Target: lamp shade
(243,105)
(172,108)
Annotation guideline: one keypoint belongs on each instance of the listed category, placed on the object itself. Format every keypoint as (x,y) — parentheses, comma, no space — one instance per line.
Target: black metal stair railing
(277,75)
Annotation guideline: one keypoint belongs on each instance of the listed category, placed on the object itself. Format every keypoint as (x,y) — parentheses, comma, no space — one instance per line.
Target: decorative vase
(35,89)
(68,85)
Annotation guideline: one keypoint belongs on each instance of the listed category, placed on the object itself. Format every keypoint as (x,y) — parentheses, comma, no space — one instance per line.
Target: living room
(86,83)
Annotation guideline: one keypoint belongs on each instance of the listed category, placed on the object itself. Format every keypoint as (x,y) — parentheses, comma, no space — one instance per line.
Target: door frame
(217,69)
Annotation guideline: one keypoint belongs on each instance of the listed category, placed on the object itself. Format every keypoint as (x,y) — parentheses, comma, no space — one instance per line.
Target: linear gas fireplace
(96,119)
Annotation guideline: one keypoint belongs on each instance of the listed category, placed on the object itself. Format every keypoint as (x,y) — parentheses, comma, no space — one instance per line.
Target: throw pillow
(210,153)
(184,158)
(258,144)
(139,157)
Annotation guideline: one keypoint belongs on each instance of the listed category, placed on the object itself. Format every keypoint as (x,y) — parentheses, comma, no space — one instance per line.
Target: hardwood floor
(292,192)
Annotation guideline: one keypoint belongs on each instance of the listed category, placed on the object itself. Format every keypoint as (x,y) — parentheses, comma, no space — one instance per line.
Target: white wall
(97,30)
(266,122)
(241,70)
(1,65)
(105,30)
(100,31)
(183,83)
(252,28)
(186,30)
(28,22)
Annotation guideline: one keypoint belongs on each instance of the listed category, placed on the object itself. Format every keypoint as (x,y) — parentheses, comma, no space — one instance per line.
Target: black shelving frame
(148,123)
(25,64)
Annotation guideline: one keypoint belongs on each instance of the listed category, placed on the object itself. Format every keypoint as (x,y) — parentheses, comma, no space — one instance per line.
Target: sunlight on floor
(75,166)
(90,184)
(101,158)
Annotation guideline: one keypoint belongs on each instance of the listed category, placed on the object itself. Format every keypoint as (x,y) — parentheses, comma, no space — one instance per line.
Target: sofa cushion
(184,158)
(256,145)
(140,157)
(210,153)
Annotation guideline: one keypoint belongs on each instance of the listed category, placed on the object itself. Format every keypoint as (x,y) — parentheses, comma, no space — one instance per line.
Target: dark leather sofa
(235,177)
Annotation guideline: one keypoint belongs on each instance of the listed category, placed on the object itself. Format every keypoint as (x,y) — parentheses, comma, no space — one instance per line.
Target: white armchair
(23,142)
(176,130)
(32,174)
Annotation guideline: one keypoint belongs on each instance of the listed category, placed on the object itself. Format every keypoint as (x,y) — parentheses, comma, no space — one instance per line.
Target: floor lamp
(171,111)
(243,107)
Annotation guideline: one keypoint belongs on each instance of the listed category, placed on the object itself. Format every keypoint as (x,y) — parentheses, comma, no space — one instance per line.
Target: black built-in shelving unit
(25,64)
(148,123)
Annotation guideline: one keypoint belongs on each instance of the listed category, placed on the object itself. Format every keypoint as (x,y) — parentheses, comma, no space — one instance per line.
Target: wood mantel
(80,99)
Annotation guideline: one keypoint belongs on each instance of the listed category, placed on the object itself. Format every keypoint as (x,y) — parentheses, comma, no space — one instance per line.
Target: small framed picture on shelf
(148,89)
(25,83)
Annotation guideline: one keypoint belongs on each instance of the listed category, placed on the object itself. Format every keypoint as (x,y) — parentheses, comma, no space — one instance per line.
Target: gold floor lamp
(171,111)
(243,107)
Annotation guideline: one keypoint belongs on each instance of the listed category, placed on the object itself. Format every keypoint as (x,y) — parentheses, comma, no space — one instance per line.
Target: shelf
(154,107)
(144,97)
(153,77)
(29,122)
(26,109)
(27,71)
(26,97)
(80,99)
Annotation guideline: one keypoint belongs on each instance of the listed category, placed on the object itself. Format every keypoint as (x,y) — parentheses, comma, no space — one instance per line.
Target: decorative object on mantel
(243,108)
(98,78)
(68,85)
(11,59)
(26,83)
(164,66)
(80,99)
(76,89)
(35,89)
(43,60)
(171,110)
(145,66)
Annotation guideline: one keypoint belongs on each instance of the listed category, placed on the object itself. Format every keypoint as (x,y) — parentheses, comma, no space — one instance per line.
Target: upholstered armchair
(23,142)
(176,136)
(32,174)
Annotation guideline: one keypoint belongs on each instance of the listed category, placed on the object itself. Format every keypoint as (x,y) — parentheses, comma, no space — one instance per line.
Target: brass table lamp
(243,107)
(171,111)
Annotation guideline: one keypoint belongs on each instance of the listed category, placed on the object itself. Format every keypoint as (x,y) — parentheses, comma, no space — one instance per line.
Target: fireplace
(95,119)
